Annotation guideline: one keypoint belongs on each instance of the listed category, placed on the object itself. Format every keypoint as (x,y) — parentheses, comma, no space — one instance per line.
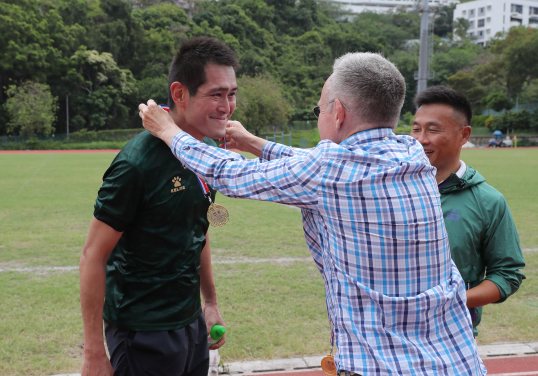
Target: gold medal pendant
(217,215)
(328,366)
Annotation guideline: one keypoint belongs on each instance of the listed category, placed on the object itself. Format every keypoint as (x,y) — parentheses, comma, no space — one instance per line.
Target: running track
(512,366)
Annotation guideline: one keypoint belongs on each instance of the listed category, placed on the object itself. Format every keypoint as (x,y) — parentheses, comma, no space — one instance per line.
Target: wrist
(212,302)
(94,351)
(169,133)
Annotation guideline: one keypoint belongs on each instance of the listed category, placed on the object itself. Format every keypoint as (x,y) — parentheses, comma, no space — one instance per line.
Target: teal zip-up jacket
(484,242)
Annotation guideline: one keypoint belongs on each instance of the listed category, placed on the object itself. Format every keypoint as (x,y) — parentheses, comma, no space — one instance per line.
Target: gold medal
(328,366)
(217,215)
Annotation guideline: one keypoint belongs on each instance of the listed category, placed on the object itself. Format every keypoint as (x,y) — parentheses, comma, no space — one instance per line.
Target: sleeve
(120,196)
(292,181)
(502,252)
(272,150)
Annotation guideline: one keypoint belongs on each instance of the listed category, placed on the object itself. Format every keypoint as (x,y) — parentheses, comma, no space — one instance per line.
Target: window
(488,31)
(481,11)
(471,34)
(471,24)
(488,20)
(517,8)
(518,20)
(481,23)
(533,21)
(533,10)
(489,8)
(464,12)
(471,12)
(480,34)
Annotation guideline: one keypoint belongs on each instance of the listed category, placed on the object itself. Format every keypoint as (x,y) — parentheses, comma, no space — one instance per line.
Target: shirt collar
(370,135)
(462,169)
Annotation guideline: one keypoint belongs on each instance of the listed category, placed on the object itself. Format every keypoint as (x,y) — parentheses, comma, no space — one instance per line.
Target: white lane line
(529,250)
(30,178)
(41,269)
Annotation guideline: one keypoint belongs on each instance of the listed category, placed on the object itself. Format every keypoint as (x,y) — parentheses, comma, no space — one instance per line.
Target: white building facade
(488,17)
(385,6)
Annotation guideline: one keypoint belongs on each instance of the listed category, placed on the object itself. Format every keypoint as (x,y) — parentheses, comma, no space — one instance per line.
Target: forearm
(485,293)
(92,295)
(207,284)
(99,244)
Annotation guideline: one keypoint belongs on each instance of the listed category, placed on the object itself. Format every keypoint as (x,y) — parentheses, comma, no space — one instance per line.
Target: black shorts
(181,352)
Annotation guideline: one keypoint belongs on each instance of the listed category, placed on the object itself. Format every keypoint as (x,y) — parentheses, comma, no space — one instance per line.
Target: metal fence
(519,107)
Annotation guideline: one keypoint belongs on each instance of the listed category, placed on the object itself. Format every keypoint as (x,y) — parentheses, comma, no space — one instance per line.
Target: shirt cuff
(502,285)
(178,143)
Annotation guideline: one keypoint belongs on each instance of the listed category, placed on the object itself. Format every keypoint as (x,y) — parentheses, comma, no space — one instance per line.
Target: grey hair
(370,86)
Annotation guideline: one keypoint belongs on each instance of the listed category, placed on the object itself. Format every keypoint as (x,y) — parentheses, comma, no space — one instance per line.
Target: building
(385,6)
(489,17)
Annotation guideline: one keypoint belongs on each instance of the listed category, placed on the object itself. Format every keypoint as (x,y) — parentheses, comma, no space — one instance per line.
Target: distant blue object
(498,134)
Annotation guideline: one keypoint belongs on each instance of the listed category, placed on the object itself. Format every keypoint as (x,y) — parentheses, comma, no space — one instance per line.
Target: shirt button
(386,138)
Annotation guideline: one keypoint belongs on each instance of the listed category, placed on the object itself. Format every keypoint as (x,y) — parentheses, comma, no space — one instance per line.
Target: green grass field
(273,308)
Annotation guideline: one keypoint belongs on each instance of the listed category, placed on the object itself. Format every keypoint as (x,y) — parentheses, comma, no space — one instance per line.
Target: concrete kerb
(312,363)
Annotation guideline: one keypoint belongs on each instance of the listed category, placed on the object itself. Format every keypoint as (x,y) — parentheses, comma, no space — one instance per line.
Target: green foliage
(111,55)
(479,121)
(32,109)
(260,102)
(512,120)
(101,89)
(498,102)
(525,142)
(460,27)
(442,26)
(408,118)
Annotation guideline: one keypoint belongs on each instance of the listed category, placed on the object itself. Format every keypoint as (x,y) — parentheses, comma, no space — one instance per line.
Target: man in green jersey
(484,242)
(147,255)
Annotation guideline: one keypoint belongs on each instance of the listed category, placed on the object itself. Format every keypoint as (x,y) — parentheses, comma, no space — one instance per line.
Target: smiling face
(206,113)
(442,132)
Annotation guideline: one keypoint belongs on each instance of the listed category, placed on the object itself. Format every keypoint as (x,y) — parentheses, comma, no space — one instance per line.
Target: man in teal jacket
(484,242)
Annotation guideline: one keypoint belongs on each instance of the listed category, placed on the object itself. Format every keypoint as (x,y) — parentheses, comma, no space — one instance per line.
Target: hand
(158,122)
(213,317)
(96,365)
(237,136)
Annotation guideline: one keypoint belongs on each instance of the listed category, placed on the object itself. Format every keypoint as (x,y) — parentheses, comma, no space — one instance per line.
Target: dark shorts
(181,352)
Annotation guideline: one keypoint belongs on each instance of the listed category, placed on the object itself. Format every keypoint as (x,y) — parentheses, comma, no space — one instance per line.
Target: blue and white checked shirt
(372,219)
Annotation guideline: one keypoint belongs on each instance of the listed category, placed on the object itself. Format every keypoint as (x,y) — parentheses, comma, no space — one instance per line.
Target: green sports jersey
(152,278)
(484,242)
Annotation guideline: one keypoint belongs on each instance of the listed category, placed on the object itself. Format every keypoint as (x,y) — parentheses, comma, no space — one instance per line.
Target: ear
(465,134)
(340,114)
(180,94)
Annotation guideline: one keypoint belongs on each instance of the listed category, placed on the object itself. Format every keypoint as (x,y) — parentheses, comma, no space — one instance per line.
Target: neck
(444,172)
(181,122)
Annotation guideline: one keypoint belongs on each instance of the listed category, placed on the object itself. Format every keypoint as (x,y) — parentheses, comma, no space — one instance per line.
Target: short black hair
(188,65)
(444,95)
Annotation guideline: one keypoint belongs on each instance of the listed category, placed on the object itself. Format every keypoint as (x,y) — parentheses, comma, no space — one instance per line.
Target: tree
(443,20)
(498,102)
(460,27)
(512,120)
(100,90)
(260,102)
(32,109)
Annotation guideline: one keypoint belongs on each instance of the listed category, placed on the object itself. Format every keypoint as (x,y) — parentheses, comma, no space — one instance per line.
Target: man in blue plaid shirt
(372,219)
